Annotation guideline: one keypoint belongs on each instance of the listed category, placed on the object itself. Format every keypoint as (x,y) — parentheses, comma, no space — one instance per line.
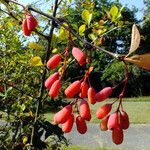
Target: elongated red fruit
(51,79)
(55,88)
(79,56)
(67,126)
(31,22)
(54,61)
(63,115)
(81,125)
(113,122)
(85,110)
(26,31)
(91,95)
(103,124)
(124,120)
(73,89)
(103,111)
(117,136)
(101,41)
(84,90)
(103,94)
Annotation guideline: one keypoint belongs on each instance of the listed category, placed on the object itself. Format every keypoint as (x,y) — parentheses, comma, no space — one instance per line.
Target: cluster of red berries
(81,89)
(29,24)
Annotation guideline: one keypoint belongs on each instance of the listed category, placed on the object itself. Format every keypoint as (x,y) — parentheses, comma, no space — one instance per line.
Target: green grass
(137,108)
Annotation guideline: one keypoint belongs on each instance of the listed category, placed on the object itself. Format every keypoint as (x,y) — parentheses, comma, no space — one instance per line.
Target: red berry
(91,95)
(63,115)
(81,125)
(73,89)
(117,135)
(31,22)
(54,61)
(26,31)
(67,126)
(103,124)
(1,88)
(103,94)
(85,110)
(103,111)
(113,121)
(79,56)
(55,88)
(84,89)
(124,120)
(51,79)
(101,41)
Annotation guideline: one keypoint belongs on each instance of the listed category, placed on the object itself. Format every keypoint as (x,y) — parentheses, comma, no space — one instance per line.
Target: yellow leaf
(140,60)
(36,61)
(24,139)
(90,69)
(82,29)
(114,12)
(135,40)
(35,46)
(86,16)
(54,50)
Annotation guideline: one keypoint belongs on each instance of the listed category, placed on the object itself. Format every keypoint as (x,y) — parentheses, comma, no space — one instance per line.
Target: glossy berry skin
(113,121)
(55,88)
(103,124)
(31,22)
(103,111)
(67,126)
(124,120)
(79,56)
(85,110)
(54,61)
(117,136)
(81,125)
(63,115)
(25,29)
(73,89)
(51,79)
(91,95)
(103,94)
(84,90)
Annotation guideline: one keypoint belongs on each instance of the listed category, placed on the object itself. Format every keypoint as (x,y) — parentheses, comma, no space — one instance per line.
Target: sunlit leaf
(55,50)
(36,61)
(86,16)
(91,69)
(82,29)
(92,36)
(114,12)
(140,60)
(135,40)
(35,46)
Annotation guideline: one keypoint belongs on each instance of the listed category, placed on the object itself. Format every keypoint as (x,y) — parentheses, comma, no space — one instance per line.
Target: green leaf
(114,12)
(82,29)
(92,36)
(36,61)
(86,16)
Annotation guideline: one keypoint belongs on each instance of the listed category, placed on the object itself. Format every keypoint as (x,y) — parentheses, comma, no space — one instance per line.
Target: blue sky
(137,3)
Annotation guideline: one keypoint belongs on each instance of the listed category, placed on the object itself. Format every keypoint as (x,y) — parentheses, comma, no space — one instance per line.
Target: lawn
(137,108)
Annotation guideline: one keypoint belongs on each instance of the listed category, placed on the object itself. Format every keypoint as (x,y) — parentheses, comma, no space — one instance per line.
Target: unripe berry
(63,115)
(103,124)
(25,29)
(51,79)
(81,125)
(124,120)
(103,111)
(54,61)
(79,56)
(31,22)
(73,89)
(117,135)
(113,121)
(84,89)
(67,126)
(103,94)
(55,88)
(85,110)
(91,95)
